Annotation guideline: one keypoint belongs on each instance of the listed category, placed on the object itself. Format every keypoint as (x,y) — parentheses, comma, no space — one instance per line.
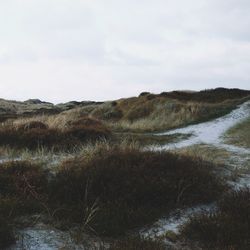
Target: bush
(210,95)
(140,111)
(6,234)
(32,125)
(132,187)
(227,228)
(22,188)
(138,243)
(36,134)
(144,94)
(16,175)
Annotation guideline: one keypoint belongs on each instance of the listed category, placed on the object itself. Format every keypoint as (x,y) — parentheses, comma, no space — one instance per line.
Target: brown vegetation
(132,187)
(6,234)
(35,134)
(227,228)
(22,188)
(138,243)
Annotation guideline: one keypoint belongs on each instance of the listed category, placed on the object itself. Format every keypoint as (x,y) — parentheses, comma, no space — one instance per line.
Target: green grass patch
(240,134)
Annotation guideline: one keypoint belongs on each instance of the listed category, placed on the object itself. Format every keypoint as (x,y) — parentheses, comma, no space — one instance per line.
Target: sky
(62,50)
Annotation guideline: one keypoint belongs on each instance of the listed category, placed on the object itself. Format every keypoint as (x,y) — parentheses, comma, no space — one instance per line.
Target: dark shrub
(87,129)
(6,234)
(35,134)
(138,243)
(144,94)
(114,103)
(133,187)
(23,187)
(140,111)
(210,95)
(15,177)
(227,228)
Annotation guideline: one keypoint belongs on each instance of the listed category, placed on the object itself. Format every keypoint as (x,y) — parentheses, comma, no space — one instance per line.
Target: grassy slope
(240,134)
(150,113)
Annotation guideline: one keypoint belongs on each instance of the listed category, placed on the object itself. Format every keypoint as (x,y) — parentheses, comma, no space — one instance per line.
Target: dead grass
(36,134)
(240,134)
(162,113)
(150,112)
(208,153)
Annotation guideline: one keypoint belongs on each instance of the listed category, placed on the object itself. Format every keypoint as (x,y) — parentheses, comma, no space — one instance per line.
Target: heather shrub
(226,228)
(131,187)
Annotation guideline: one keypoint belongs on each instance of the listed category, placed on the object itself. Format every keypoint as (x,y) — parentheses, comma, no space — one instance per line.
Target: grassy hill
(34,123)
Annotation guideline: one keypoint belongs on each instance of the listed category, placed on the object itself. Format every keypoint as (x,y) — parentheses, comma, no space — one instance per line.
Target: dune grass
(227,228)
(240,134)
(161,113)
(150,112)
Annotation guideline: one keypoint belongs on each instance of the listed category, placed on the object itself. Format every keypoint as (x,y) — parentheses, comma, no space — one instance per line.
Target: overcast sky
(60,50)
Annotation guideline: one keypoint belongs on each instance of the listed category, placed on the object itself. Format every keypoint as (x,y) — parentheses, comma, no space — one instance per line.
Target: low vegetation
(110,186)
(209,95)
(138,243)
(6,234)
(226,228)
(240,134)
(23,188)
(35,134)
(130,187)
(149,112)
(109,190)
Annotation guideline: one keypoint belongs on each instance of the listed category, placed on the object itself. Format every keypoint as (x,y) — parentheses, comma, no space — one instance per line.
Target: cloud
(93,49)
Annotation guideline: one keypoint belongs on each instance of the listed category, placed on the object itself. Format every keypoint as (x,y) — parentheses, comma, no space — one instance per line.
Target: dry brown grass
(33,134)
(150,112)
